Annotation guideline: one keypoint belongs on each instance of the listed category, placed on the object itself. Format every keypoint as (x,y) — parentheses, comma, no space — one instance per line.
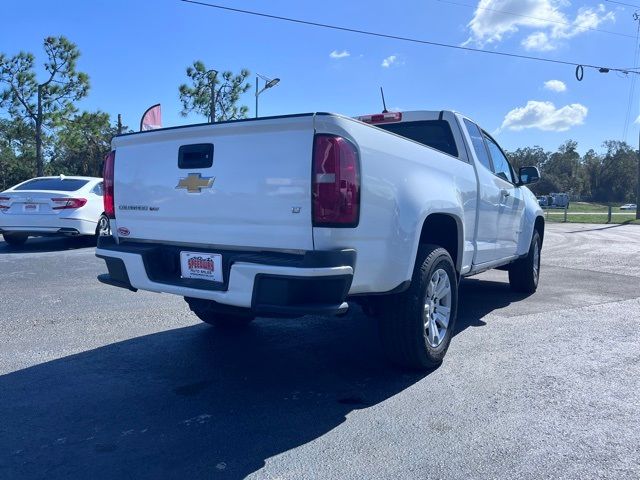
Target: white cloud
(589,18)
(549,23)
(545,116)
(489,25)
(390,60)
(555,86)
(337,54)
(538,41)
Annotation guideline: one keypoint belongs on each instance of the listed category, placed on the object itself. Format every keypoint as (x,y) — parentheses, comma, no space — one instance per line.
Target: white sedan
(629,206)
(52,206)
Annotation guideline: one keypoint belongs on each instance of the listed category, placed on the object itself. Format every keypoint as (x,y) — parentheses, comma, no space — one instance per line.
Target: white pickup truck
(301,214)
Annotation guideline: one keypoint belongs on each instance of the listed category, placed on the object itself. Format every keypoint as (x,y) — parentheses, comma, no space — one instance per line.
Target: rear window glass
(433,133)
(57,184)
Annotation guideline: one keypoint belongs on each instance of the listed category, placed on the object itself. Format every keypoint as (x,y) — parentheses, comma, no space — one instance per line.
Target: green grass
(598,211)
(595,218)
(590,207)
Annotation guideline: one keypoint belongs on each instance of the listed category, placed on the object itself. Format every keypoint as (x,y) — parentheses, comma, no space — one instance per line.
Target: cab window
(501,165)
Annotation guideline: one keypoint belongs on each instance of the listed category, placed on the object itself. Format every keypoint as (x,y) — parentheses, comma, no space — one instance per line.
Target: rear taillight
(107,179)
(336,182)
(4,203)
(66,203)
(382,117)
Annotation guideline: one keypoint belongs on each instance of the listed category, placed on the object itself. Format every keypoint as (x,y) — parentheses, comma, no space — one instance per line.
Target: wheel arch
(539,227)
(447,231)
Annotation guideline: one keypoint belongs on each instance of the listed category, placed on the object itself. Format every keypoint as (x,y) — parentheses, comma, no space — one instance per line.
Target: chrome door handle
(504,193)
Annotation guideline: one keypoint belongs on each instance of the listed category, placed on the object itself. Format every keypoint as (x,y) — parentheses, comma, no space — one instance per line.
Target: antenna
(384,105)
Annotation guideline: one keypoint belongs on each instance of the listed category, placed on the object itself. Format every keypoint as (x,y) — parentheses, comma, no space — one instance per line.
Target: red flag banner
(152,118)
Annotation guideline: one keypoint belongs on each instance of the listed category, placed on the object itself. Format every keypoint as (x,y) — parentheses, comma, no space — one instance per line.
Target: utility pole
(256,97)
(212,105)
(638,185)
(119,124)
(212,108)
(636,18)
(39,159)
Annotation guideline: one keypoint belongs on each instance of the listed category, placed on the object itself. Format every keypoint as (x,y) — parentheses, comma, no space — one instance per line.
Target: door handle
(505,193)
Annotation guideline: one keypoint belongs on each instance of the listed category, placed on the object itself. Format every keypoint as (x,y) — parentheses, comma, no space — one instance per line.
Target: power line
(408,39)
(560,22)
(622,3)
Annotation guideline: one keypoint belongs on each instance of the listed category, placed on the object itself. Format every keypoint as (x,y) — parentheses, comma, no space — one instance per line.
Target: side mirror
(528,175)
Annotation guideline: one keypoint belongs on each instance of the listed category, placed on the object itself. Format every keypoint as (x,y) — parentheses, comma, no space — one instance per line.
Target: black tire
(205,311)
(403,321)
(15,239)
(103,227)
(523,277)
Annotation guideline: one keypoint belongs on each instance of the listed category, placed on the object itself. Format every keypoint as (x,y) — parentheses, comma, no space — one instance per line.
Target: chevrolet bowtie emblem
(195,182)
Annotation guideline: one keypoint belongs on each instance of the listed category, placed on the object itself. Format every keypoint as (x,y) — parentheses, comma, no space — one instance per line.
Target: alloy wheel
(437,308)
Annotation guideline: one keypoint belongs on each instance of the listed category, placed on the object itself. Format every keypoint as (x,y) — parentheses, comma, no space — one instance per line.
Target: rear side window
(55,184)
(433,133)
(478,144)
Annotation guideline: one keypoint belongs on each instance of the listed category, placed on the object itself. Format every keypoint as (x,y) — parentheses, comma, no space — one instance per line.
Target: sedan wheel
(103,229)
(15,239)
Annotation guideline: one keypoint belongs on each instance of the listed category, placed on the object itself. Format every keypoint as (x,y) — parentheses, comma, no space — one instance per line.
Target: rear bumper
(43,231)
(46,225)
(267,283)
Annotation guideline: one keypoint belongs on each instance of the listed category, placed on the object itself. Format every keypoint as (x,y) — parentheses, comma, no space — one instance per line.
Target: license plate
(30,207)
(203,266)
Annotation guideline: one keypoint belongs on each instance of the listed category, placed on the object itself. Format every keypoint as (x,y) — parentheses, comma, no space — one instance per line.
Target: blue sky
(136,52)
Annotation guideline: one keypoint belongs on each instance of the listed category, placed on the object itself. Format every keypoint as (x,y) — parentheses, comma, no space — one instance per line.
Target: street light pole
(268,83)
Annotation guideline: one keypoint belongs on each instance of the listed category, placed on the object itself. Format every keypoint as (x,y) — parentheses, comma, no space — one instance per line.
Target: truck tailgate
(256,193)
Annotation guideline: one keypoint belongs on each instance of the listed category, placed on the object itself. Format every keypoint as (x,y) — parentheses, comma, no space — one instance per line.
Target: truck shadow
(479,297)
(194,402)
(606,227)
(191,402)
(48,244)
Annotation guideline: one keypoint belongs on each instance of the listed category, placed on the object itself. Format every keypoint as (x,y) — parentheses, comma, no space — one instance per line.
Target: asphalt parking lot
(98,382)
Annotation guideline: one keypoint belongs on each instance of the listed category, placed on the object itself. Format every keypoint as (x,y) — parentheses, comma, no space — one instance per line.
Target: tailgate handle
(198,155)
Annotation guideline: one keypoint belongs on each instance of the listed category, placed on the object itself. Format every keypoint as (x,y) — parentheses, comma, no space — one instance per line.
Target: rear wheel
(416,326)
(204,310)
(524,274)
(15,239)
